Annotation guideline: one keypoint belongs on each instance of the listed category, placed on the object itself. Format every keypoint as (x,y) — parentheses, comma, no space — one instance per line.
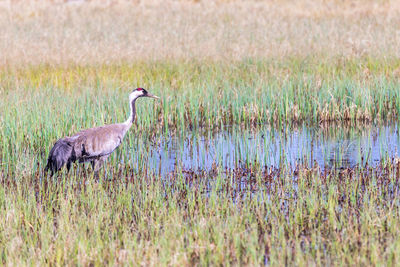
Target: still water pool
(330,146)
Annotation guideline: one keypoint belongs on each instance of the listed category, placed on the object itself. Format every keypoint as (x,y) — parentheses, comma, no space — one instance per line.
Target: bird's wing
(97,142)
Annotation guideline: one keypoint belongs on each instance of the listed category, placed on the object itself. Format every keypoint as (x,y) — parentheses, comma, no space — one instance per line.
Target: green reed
(214,94)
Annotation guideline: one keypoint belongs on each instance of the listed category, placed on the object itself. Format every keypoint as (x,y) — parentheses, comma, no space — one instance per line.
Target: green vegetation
(70,65)
(41,104)
(347,217)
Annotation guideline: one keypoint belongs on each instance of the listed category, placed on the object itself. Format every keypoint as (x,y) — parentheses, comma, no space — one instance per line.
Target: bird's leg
(93,163)
(95,166)
(68,166)
(103,160)
(98,163)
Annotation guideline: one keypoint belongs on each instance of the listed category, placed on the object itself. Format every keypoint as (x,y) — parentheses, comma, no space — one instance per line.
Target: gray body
(92,145)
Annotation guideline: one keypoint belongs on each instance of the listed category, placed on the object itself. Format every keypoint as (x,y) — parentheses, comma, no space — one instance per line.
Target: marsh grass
(245,216)
(239,217)
(66,66)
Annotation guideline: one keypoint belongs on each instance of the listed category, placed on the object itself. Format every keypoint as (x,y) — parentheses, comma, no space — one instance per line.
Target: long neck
(131,118)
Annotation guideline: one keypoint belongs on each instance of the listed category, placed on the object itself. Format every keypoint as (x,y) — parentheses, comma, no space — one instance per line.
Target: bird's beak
(152,96)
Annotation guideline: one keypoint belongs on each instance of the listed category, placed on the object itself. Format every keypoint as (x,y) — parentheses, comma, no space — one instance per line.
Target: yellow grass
(91,32)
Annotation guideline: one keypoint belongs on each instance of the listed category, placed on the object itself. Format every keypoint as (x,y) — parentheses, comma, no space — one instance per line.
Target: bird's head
(140,92)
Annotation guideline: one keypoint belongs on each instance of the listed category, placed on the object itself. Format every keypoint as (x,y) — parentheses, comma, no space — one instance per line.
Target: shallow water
(330,147)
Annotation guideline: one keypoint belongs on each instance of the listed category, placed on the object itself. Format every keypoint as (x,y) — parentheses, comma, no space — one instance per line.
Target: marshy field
(275,141)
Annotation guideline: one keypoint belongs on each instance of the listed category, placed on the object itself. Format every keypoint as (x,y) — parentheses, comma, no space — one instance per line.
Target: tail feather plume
(60,154)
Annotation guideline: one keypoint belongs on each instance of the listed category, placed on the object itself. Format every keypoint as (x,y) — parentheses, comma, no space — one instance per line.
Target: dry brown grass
(59,32)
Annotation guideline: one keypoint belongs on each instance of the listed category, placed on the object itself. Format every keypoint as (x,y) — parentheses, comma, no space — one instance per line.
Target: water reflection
(333,146)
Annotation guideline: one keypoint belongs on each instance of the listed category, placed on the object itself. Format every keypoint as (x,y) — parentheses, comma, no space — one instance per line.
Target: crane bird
(93,145)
